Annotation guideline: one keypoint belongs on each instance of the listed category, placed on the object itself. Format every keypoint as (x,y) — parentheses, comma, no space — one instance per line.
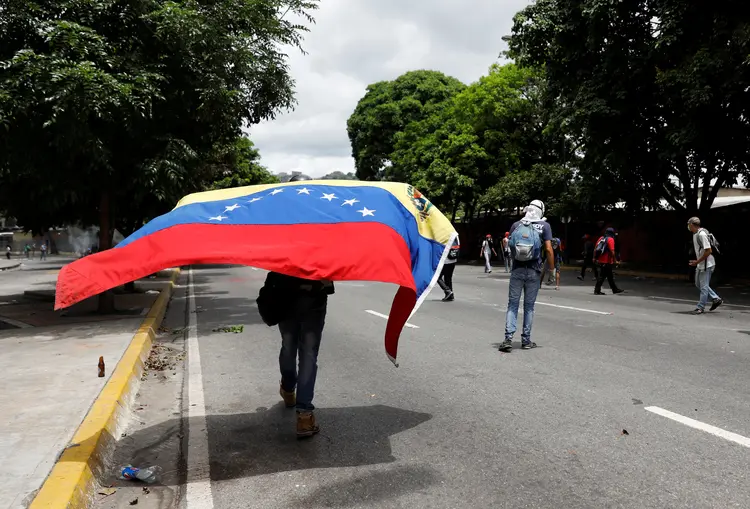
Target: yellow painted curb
(72,480)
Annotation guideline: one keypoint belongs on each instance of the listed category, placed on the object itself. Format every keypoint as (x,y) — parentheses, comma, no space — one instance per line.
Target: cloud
(355,43)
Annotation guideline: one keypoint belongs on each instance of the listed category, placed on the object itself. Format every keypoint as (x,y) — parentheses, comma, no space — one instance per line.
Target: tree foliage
(387,108)
(339,175)
(111,110)
(492,130)
(239,165)
(654,90)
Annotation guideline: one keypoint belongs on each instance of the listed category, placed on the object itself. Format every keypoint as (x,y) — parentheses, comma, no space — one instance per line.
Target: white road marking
(381,315)
(687,421)
(572,308)
(198,490)
(696,300)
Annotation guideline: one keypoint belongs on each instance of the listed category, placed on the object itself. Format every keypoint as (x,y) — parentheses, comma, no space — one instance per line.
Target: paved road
(460,424)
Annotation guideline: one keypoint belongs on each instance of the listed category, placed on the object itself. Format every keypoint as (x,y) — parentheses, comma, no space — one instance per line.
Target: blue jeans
(528,280)
(703,282)
(506,259)
(301,333)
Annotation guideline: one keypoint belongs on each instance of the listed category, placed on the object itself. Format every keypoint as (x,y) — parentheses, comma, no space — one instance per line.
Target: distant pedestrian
(27,250)
(506,251)
(604,252)
(703,243)
(446,275)
(588,258)
(488,249)
(7,251)
(554,275)
(43,252)
(530,244)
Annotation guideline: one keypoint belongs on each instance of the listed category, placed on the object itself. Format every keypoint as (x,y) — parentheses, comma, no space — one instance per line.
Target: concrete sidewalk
(48,368)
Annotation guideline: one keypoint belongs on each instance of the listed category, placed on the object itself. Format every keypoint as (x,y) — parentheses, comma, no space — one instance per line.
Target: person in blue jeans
(305,303)
(704,267)
(525,276)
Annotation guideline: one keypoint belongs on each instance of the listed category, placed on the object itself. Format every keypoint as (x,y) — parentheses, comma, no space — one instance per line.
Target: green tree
(388,108)
(239,165)
(497,126)
(110,108)
(339,175)
(655,91)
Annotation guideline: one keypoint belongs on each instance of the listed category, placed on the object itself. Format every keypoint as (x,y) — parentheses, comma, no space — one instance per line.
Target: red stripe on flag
(339,252)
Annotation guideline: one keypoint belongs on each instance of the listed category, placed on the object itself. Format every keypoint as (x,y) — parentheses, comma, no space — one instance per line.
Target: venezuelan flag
(337,230)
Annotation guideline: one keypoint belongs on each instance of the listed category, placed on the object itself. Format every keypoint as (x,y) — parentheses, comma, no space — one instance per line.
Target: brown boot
(290,398)
(306,426)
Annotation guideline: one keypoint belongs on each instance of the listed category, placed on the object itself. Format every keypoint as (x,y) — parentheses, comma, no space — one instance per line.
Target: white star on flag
(230,208)
(217,218)
(350,202)
(255,199)
(366,212)
(276,191)
(304,190)
(328,197)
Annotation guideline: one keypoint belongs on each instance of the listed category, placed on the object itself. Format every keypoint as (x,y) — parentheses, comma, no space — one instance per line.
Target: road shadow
(516,346)
(264,442)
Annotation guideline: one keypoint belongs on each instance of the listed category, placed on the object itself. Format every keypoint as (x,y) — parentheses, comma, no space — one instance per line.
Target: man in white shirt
(704,266)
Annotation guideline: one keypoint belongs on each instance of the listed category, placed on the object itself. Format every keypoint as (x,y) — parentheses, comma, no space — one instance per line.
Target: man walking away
(588,258)
(554,276)
(506,251)
(704,243)
(604,252)
(7,251)
(305,304)
(43,252)
(446,275)
(530,241)
(488,249)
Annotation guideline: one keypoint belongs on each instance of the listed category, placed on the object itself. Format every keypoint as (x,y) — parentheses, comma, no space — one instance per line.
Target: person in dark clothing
(588,258)
(301,327)
(607,262)
(301,333)
(446,275)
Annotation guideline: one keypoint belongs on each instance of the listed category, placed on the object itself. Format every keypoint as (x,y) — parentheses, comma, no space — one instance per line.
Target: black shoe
(615,292)
(716,304)
(528,346)
(599,293)
(449,297)
(506,346)
(697,311)
(580,278)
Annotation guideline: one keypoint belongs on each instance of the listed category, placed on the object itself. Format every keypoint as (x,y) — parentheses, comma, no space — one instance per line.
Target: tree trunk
(106,299)
(455,211)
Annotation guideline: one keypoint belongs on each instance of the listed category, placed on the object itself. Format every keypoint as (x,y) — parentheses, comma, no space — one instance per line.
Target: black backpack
(713,242)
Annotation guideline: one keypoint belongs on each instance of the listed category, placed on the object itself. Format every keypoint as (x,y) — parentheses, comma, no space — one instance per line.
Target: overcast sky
(357,42)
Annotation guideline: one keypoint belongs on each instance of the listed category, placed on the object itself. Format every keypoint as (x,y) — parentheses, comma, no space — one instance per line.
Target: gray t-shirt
(700,244)
(545,231)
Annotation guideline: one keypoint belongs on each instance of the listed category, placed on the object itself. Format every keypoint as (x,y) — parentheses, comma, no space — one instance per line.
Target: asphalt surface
(460,424)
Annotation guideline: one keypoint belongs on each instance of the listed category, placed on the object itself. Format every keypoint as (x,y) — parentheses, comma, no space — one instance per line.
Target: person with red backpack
(605,257)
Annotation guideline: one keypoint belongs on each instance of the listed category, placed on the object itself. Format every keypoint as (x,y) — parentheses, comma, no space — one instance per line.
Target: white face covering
(535,211)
